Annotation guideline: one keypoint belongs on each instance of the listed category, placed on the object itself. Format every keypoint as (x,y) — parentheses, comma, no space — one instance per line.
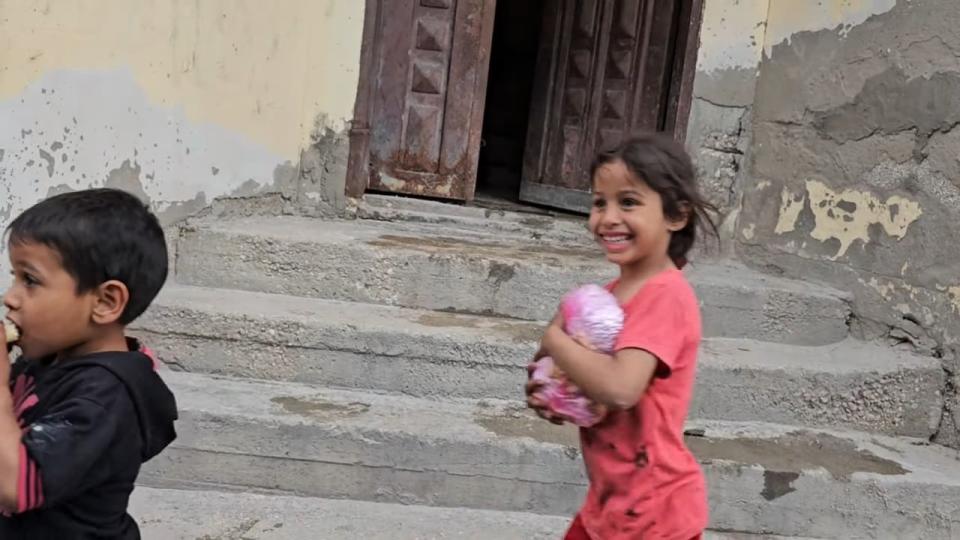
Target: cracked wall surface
(854,176)
(185,104)
(718,133)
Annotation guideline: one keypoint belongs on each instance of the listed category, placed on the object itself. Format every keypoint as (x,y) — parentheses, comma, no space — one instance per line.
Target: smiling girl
(644,482)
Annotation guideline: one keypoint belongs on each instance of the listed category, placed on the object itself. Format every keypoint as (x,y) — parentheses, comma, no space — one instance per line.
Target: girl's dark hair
(663,164)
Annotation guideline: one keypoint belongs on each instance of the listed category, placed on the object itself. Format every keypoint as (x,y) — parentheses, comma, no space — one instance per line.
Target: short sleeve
(59,450)
(656,322)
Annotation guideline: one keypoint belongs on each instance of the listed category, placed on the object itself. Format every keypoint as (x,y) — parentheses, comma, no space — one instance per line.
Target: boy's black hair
(101,235)
(663,164)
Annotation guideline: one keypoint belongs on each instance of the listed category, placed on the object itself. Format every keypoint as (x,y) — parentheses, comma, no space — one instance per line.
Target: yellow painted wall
(178,101)
(262,69)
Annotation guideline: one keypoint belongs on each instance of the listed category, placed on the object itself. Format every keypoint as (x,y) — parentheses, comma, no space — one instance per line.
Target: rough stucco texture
(854,173)
(718,133)
(179,102)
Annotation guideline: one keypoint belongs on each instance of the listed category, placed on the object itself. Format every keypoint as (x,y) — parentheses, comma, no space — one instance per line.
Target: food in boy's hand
(591,313)
(11,331)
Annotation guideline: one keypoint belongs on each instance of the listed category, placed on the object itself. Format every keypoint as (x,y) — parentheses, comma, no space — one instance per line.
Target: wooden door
(430,78)
(606,68)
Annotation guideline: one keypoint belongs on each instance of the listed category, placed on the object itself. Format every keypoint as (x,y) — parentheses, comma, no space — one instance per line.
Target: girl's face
(627,218)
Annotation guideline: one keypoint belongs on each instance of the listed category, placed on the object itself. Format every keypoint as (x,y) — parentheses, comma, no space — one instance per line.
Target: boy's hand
(9,435)
(4,361)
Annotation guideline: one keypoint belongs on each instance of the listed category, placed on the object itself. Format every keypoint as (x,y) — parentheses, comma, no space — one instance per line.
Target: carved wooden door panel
(428,101)
(604,71)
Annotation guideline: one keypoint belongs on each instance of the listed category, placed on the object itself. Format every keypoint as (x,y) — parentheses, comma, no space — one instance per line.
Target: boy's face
(44,303)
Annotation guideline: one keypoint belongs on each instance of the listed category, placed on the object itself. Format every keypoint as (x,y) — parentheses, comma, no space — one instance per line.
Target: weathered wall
(854,176)
(718,134)
(179,102)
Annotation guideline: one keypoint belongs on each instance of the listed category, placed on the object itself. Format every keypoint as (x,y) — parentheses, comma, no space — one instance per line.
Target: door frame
(358,159)
(681,87)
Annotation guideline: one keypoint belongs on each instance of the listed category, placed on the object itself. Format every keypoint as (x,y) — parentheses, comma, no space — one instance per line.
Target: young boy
(82,408)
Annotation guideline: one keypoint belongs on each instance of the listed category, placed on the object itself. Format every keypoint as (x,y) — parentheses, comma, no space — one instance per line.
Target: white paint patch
(790,207)
(847,215)
(954,294)
(70,128)
(789,17)
(886,290)
(732,34)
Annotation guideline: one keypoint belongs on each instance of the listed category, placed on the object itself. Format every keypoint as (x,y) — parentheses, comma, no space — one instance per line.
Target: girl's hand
(532,388)
(584,342)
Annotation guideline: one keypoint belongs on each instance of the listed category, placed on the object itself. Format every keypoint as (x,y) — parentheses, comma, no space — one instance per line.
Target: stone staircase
(382,360)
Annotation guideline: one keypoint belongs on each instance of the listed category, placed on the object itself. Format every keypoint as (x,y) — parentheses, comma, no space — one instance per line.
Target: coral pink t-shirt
(644,482)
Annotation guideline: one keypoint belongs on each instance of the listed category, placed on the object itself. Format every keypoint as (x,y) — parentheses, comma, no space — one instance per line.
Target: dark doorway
(511,100)
(513,60)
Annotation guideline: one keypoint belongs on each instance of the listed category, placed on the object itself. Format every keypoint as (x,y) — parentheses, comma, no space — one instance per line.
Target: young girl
(644,482)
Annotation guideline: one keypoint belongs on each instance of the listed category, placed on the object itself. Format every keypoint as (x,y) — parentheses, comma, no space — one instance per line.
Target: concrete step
(453,269)
(306,440)
(849,384)
(167,514)
(172,514)
(535,224)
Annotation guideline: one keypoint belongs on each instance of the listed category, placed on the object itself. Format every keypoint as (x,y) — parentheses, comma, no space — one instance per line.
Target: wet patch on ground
(440,244)
(784,457)
(518,332)
(319,408)
(523,423)
(794,453)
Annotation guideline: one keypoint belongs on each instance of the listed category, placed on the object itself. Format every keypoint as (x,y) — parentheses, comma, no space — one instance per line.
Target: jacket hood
(155,404)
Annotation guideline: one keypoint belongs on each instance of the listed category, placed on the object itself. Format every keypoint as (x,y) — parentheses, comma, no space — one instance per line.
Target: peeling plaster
(954,294)
(113,135)
(732,34)
(254,68)
(790,207)
(847,215)
(790,17)
(886,290)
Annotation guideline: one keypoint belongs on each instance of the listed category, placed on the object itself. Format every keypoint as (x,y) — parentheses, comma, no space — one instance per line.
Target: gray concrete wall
(853,174)
(719,130)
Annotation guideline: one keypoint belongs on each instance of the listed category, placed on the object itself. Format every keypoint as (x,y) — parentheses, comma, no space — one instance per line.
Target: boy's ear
(110,302)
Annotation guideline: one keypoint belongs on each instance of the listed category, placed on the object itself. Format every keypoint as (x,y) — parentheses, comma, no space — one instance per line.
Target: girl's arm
(617,381)
(9,435)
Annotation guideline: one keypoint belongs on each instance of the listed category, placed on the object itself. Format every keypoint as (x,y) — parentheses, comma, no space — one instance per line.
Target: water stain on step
(439,244)
(796,452)
(521,423)
(519,332)
(784,458)
(319,408)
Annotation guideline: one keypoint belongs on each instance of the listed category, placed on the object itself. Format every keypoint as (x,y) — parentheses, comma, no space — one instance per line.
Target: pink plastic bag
(590,312)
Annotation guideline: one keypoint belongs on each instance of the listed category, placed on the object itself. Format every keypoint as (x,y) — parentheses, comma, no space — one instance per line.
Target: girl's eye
(599,203)
(629,202)
(30,280)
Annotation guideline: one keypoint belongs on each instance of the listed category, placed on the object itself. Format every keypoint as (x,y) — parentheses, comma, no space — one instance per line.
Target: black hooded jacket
(89,423)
